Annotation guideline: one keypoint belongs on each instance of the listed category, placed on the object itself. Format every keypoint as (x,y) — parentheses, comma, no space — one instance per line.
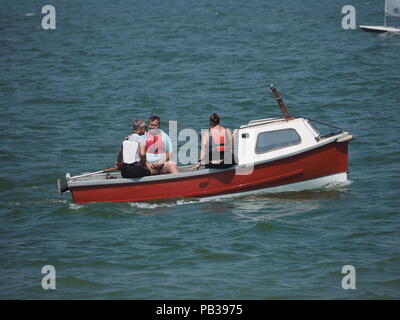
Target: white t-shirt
(131,146)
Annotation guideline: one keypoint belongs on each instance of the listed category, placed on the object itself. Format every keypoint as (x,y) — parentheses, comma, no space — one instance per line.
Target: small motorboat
(392,9)
(272,155)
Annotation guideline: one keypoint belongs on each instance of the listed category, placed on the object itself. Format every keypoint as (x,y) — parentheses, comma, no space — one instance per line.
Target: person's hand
(196,167)
(150,165)
(159,163)
(118,165)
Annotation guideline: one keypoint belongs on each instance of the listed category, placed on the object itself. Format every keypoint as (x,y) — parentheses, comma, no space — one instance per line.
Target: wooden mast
(281,105)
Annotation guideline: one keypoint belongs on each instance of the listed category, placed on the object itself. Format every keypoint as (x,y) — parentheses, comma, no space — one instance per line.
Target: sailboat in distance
(392,9)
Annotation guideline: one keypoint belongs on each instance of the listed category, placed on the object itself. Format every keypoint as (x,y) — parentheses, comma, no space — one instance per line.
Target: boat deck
(117,175)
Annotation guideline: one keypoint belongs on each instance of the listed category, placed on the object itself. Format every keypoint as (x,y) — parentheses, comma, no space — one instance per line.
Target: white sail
(392,8)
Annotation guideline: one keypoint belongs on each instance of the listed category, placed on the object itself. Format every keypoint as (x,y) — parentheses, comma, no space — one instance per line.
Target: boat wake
(163,204)
(328,191)
(75,206)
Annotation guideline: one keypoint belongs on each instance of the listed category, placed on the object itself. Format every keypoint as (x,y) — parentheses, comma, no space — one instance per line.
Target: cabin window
(272,140)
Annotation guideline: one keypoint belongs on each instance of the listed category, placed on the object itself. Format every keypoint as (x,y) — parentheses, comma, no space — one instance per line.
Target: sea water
(68,98)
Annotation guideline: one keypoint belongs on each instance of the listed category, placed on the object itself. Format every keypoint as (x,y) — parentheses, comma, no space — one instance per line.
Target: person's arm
(142,154)
(168,150)
(204,145)
(235,131)
(119,158)
(229,139)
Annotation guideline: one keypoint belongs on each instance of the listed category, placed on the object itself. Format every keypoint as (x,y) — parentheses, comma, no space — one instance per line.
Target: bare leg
(153,171)
(169,167)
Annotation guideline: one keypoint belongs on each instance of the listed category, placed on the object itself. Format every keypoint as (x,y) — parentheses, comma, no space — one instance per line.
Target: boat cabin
(265,139)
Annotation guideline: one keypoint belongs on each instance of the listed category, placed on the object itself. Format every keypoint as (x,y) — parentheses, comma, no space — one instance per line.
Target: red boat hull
(324,161)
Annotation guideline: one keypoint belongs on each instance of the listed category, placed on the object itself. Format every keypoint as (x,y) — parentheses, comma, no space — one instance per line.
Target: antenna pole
(281,105)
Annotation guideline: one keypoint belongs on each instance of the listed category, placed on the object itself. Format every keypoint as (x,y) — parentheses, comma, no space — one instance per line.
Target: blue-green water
(68,97)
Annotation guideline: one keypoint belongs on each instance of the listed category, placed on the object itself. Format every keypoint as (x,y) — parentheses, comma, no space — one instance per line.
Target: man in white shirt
(132,156)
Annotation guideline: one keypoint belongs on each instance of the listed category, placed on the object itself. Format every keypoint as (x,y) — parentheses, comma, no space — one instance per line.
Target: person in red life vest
(159,149)
(216,146)
(131,158)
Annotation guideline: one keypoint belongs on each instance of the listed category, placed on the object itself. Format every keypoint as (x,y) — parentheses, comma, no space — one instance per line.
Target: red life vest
(155,144)
(218,138)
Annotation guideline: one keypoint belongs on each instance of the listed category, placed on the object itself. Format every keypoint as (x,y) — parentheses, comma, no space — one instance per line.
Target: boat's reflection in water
(278,205)
(266,208)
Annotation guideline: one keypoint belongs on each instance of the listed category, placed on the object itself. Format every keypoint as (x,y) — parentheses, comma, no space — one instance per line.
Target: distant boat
(392,9)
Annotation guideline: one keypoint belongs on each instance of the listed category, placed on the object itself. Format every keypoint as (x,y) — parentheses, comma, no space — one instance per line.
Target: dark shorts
(221,165)
(218,166)
(134,170)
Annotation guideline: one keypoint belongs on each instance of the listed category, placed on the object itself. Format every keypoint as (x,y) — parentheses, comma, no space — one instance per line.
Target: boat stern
(63,188)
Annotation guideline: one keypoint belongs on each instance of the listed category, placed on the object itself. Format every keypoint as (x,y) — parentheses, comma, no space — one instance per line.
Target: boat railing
(322,133)
(261,121)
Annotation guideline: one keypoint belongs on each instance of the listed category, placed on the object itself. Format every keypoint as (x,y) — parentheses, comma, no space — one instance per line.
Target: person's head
(139,126)
(214,120)
(154,122)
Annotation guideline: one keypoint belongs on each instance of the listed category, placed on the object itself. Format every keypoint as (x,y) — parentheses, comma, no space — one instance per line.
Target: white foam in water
(340,185)
(223,198)
(63,201)
(152,205)
(149,205)
(29,14)
(74,206)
